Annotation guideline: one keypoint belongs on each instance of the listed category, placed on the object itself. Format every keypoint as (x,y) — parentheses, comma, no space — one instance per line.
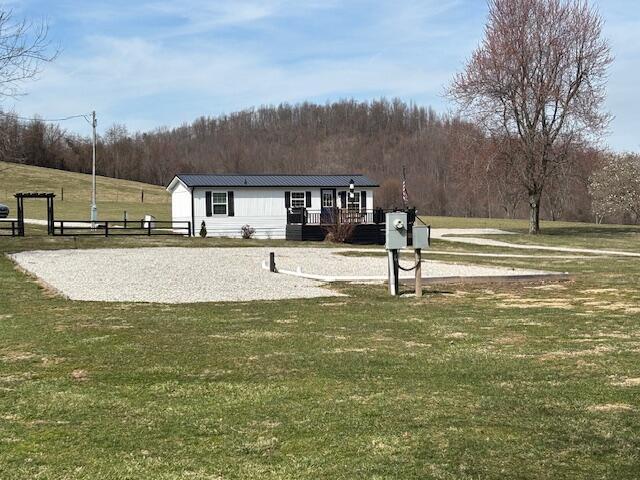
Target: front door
(328,199)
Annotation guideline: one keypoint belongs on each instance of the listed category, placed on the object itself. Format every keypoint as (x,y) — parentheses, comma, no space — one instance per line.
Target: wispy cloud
(159,62)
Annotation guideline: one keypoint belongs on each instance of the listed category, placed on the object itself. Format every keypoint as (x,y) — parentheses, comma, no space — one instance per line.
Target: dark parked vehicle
(4,211)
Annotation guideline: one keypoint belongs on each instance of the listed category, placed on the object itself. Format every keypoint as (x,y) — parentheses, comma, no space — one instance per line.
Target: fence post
(272,262)
(149,228)
(106,228)
(13,228)
(61,228)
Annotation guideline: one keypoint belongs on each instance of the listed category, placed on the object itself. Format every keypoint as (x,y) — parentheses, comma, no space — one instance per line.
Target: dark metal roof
(334,181)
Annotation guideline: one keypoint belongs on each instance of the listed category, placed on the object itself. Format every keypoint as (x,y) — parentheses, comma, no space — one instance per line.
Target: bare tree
(24,47)
(537,82)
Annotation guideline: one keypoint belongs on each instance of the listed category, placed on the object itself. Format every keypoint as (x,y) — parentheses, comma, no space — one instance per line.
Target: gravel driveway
(186,275)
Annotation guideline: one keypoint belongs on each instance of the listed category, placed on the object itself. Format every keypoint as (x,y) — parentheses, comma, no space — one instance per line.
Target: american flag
(405,193)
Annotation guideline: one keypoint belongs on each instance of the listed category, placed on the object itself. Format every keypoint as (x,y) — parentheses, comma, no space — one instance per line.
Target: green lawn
(501,223)
(496,381)
(114,197)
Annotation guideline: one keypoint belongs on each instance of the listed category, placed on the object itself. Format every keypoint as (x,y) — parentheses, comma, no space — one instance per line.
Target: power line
(47,120)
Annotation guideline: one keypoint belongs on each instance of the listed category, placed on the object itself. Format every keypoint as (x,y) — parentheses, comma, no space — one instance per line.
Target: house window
(353,203)
(219,203)
(327,199)
(298,200)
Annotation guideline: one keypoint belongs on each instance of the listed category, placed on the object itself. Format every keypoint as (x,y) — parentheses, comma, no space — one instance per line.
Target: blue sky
(152,63)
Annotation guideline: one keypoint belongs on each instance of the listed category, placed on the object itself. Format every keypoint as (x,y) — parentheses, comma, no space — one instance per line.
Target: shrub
(247,231)
(339,232)
(203,229)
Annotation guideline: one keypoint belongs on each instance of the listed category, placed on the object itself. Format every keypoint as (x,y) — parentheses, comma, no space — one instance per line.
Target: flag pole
(405,193)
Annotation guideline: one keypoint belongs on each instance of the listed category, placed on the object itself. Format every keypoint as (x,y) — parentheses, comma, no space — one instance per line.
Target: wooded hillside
(452,167)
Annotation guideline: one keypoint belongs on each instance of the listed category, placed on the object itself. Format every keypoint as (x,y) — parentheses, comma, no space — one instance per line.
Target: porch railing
(331,216)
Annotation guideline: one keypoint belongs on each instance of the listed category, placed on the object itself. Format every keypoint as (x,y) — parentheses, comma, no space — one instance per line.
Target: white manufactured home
(268,203)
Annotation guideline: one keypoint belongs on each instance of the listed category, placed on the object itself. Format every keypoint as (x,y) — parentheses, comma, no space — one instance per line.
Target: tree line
(453,166)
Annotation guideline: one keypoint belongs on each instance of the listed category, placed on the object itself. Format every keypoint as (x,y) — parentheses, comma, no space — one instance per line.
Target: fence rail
(9,228)
(109,228)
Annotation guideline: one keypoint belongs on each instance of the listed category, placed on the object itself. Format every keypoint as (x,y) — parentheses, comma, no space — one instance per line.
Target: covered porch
(367,226)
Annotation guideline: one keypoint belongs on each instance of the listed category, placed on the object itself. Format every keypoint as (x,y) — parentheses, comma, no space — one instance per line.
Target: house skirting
(366,234)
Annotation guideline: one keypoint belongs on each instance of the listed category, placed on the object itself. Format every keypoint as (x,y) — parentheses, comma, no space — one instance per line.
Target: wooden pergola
(20,199)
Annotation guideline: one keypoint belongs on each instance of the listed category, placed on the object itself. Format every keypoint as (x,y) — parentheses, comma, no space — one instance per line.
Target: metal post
(272,262)
(418,272)
(52,217)
(20,202)
(393,272)
(94,208)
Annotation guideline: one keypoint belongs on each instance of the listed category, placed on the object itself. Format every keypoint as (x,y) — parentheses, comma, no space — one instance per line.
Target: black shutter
(230,207)
(287,199)
(308,199)
(363,200)
(208,202)
(343,199)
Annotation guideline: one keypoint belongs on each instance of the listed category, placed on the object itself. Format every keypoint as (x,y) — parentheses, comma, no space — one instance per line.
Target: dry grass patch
(600,290)
(596,351)
(80,375)
(351,350)
(526,304)
(611,407)
(412,344)
(549,287)
(16,356)
(455,335)
(511,339)
(628,382)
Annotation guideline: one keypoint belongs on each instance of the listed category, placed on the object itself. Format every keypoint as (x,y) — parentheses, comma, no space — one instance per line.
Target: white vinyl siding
(261,208)
(181,203)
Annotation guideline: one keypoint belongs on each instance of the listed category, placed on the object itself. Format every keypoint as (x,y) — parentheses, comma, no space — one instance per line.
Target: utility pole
(94,208)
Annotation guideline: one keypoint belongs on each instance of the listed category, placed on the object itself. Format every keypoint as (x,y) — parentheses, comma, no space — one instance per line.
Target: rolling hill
(73,194)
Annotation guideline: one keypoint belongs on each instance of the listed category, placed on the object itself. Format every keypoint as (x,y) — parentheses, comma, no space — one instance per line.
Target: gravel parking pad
(186,275)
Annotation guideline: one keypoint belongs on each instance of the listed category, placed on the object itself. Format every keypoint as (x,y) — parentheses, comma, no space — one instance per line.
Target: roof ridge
(276,174)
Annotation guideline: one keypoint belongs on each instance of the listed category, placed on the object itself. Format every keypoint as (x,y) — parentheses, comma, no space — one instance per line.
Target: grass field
(492,382)
(114,197)
(497,381)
